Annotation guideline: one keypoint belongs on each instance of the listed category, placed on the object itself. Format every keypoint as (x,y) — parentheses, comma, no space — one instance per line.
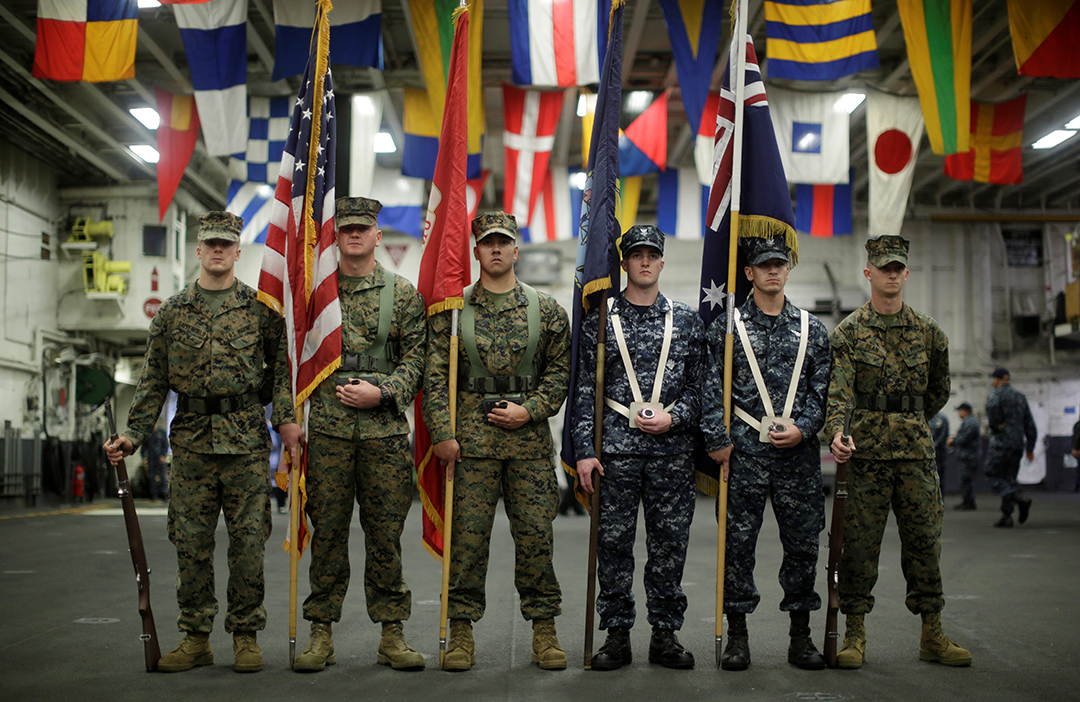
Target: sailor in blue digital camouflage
(223,353)
(1012,435)
(655,355)
(358,444)
(513,370)
(966,445)
(780,377)
(891,363)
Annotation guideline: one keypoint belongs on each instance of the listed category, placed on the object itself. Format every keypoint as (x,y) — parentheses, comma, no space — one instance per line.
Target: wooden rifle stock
(151,644)
(836,547)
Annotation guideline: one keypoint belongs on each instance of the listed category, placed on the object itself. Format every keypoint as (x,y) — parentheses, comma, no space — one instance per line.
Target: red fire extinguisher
(77,481)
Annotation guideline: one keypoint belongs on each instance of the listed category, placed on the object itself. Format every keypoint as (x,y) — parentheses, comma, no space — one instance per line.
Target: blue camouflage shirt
(966,441)
(775,341)
(681,387)
(1007,406)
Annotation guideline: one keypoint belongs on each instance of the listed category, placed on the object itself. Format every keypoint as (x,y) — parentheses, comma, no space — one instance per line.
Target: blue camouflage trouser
(203,486)
(910,488)
(378,475)
(1002,467)
(794,486)
(664,485)
(530,495)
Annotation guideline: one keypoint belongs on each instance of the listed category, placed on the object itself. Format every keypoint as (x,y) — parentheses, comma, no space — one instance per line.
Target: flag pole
(294,556)
(729,337)
(594,502)
(448,490)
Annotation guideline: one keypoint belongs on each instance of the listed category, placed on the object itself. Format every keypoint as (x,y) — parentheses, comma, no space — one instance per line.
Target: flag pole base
(292,651)
(719,649)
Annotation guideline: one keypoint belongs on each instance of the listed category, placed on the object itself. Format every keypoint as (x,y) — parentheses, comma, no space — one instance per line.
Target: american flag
(724,149)
(299,270)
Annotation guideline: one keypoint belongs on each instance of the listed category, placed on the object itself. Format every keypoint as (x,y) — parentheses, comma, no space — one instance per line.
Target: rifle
(151,645)
(836,547)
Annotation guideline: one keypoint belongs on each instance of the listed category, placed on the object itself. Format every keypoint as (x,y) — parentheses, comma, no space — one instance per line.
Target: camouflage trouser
(664,485)
(967,468)
(204,485)
(1002,467)
(531,497)
(378,475)
(794,485)
(910,487)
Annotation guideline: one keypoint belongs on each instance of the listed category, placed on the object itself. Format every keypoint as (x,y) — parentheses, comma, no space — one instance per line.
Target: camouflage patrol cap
(883,250)
(220,225)
(495,223)
(642,235)
(356,210)
(761,249)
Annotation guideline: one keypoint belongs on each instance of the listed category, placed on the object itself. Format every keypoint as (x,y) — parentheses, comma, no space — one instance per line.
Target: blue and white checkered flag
(254,173)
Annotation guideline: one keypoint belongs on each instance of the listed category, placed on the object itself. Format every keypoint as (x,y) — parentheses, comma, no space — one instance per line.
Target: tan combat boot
(546,651)
(853,652)
(460,650)
(395,652)
(247,652)
(319,652)
(193,650)
(936,646)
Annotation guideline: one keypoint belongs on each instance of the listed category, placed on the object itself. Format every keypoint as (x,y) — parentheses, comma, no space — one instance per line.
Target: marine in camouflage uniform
(892,364)
(223,353)
(787,467)
(966,444)
(508,450)
(358,445)
(650,463)
(1012,434)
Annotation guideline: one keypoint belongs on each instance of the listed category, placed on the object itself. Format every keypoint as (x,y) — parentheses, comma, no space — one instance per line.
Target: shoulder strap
(532,314)
(661,366)
(796,373)
(751,359)
(468,336)
(386,316)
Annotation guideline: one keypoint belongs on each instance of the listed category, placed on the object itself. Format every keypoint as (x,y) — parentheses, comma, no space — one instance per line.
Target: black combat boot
(737,652)
(801,653)
(665,649)
(615,653)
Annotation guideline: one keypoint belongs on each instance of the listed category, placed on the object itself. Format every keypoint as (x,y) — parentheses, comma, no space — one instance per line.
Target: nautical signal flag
(355,34)
(997,132)
(434,26)
(824,210)
(643,144)
(1045,35)
(176,136)
(254,172)
(530,118)
(941,66)
(706,138)
(894,127)
(681,204)
(812,133)
(87,40)
(215,39)
(694,32)
(819,39)
(557,43)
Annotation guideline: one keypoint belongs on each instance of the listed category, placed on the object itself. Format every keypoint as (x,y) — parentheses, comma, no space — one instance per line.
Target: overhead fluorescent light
(638,101)
(1074,123)
(145,152)
(384,143)
(1054,138)
(586,103)
(148,4)
(147,115)
(264,191)
(849,101)
(578,180)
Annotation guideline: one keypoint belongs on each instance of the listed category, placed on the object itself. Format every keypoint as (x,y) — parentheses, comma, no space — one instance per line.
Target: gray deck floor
(69,626)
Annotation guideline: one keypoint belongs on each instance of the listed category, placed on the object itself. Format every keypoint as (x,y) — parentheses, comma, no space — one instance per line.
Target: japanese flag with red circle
(894,128)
